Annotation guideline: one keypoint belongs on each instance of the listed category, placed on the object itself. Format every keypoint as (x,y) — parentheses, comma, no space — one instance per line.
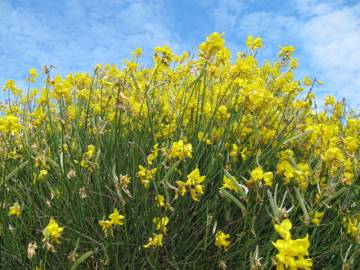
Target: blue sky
(74,35)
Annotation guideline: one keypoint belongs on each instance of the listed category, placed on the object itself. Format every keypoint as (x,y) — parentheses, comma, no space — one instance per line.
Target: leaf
(234,200)
(16,170)
(243,190)
(82,259)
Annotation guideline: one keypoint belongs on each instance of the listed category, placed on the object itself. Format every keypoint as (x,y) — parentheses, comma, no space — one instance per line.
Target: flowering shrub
(201,162)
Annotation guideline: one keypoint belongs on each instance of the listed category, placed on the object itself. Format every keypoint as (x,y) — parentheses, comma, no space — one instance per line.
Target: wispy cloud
(332,41)
(76,35)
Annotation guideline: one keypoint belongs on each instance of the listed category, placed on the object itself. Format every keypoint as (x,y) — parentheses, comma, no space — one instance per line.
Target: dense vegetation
(192,163)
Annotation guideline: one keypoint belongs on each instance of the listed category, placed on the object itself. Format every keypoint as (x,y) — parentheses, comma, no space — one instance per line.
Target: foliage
(192,163)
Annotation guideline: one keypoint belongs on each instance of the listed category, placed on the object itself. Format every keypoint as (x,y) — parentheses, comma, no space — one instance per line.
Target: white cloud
(76,35)
(332,40)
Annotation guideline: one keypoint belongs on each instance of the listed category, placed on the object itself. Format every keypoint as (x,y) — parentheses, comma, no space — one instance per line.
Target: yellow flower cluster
(9,124)
(222,240)
(114,219)
(193,184)
(258,175)
(52,234)
(15,210)
(352,226)
(291,253)
(157,239)
(181,150)
(146,175)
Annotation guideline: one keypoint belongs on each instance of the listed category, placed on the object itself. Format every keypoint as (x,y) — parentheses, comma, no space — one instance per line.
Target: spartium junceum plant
(204,162)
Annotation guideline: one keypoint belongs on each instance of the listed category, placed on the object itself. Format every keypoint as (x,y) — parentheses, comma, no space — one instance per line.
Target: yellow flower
(32,75)
(116,218)
(160,200)
(352,226)
(90,151)
(42,174)
(161,223)
(316,217)
(284,229)
(192,184)
(181,150)
(228,184)
(106,226)
(329,100)
(307,81)
(154,154)
(244,153)
(254,43)
(291,252)
(181,187)
(15,210)
(155,241)
(146,175)
(287,51)
(9,124)
(267,177)
(234,151)
(52,231)
(11,86)
(137,52)
(258,174)
(222,240)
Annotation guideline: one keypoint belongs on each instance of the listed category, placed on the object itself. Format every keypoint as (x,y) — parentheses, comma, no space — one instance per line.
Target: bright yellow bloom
(307,81)
(160,200)
(153,155)
(116,218)
(52,231)
(9,124)
(42,174)
(11,86)
(146,175)
(244,153)
(155,241)
(254,43)
(284,229)
(291,252)
(228,184)
(181,150)
(352,226)
(106,226)
(193,184)
(161,223)
(234,151)
(316,217)
(90,151)
(32,75)
(329,100)
(222,240)
(287,51)
(137,52)
(258,174)
(15,210)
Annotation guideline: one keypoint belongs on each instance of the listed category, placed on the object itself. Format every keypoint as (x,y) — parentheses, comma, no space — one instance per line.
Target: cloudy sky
(74,35)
